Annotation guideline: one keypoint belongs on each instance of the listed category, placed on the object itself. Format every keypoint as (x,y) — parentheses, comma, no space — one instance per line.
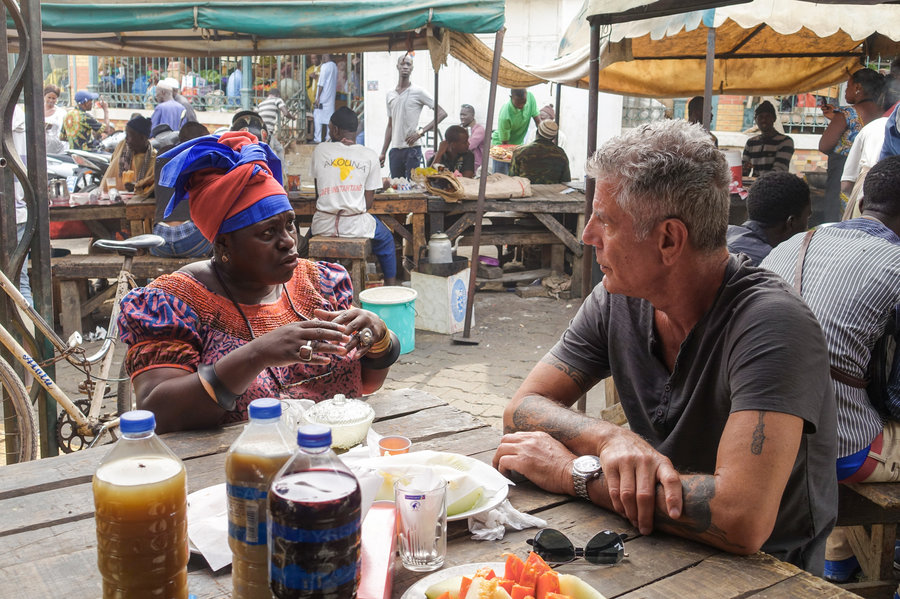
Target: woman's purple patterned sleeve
(159,329)
(335,285)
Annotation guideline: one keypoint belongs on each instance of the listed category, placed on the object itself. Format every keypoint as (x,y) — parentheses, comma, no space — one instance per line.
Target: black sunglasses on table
(605,547)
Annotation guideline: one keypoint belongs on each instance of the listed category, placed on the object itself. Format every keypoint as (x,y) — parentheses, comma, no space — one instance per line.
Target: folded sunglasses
(606,547)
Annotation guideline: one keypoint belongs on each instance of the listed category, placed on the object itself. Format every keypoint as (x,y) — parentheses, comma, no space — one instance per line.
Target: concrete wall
(534,28)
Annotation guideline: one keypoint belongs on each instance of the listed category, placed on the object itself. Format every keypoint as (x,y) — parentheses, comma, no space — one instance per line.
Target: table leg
(418,231)
(586,254)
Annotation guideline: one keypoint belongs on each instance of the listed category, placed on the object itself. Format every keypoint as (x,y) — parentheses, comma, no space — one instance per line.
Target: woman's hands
(309,341)
(355,322)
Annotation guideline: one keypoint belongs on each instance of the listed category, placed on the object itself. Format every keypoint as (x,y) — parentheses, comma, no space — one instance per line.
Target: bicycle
(81,423)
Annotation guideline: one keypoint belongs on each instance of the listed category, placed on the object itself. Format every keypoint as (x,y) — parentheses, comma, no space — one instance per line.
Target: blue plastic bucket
(396,307)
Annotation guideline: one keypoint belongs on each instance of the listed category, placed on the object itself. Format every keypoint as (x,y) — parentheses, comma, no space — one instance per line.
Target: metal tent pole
(589,183)
(710,65)
(482,183)
(436,104)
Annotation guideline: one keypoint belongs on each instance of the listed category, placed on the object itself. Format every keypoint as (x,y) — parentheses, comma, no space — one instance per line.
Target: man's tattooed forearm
(582,379)
(696,516)
(759,436)
(539,413)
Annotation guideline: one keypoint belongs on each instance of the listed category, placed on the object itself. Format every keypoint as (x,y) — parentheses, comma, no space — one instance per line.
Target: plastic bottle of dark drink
(251,464)
(314,523)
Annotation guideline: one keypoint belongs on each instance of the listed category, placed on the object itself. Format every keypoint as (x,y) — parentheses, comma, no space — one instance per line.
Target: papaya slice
(547,584)
(522,592)
(464,586)
(513,568)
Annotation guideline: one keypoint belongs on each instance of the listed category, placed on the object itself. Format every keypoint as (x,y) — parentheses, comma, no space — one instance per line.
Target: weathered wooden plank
(79,266)
(884,495)
(859,504)
(395,226)
(356,248)
(512,238)
(804,586)
(429,424)
(718,577)
(561,232)
(63,471)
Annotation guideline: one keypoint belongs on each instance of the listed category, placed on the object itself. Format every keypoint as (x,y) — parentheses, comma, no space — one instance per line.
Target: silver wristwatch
(584,469)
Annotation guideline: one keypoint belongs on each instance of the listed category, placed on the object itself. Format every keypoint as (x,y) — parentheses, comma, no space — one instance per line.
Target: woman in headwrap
(255,320)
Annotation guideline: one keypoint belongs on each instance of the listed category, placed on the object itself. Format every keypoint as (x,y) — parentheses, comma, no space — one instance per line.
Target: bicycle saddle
(130,246)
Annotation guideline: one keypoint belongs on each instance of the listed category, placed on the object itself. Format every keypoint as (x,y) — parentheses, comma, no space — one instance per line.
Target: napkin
(208,525)
(208,519)
(491,525)
(468,480)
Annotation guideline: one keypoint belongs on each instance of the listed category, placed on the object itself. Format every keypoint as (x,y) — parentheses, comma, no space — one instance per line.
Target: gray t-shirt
(758,348)
(405,108)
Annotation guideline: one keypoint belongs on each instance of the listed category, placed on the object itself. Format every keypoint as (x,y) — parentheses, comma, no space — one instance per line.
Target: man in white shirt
(324,102)
(403,134)
(347,175)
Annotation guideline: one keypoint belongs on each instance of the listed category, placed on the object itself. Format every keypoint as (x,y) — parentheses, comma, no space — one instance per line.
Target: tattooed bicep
(583,380)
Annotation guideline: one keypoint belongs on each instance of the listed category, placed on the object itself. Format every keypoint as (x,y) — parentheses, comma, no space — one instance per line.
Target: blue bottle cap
(137,421)
(314,435)
(265,407)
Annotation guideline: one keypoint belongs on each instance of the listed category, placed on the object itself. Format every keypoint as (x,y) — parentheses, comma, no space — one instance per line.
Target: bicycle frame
(87,424)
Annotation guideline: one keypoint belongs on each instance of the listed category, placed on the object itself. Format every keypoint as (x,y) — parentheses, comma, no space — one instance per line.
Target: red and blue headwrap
(231,181)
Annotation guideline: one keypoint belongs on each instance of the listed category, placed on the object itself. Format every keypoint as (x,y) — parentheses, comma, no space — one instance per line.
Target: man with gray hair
(721,368)
(168,111)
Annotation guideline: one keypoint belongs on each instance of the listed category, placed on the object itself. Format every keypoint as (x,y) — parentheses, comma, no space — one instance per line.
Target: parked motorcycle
(91,167)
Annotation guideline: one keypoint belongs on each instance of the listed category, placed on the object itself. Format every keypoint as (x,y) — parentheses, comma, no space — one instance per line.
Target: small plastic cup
(393,445)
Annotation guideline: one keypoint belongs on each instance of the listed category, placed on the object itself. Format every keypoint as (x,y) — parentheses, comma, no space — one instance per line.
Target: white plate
(485,504)
(417,591)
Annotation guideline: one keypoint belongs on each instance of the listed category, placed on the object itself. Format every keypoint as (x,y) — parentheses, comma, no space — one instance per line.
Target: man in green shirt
(513,123)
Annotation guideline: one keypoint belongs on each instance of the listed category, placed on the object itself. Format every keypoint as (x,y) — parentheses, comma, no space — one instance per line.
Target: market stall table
(137,218)
(546,203)
(50,547)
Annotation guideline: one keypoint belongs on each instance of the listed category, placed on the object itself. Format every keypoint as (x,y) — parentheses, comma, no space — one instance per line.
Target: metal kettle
(440,250)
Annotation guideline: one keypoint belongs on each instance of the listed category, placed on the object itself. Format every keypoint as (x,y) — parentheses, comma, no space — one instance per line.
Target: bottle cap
(265,407)
(314,435)
(137,421)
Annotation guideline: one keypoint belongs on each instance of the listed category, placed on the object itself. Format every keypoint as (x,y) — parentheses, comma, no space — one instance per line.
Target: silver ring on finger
(366,337)
(306,351)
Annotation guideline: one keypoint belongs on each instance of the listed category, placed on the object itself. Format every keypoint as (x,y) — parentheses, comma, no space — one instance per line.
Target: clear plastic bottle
(140,509)
(252,462)
(314,523)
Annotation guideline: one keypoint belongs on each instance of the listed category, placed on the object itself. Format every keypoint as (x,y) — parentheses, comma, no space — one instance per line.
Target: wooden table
(49,547)
(392,208)
(545,204)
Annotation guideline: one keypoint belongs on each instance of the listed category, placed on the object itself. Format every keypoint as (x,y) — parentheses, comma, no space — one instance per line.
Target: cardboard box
(441,305)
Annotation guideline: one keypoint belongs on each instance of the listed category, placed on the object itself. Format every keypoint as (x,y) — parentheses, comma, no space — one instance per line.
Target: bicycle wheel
(124,393)
(20,432)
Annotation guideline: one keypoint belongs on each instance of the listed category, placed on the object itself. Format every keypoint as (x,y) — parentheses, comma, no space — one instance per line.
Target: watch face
(587,464)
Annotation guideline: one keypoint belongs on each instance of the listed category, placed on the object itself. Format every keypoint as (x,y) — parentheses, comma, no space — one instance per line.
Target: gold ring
(306,356)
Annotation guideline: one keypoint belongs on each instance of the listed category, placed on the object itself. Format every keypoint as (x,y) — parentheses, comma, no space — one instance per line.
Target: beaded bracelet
(385,361)
(224,397)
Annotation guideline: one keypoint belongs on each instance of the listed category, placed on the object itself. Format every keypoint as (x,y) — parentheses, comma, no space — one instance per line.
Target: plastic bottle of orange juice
(140,509)
(250,465)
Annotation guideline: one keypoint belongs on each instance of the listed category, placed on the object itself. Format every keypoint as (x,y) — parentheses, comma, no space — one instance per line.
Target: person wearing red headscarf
(253,321)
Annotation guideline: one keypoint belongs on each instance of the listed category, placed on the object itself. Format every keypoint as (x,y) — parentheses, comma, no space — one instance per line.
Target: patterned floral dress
(177,322)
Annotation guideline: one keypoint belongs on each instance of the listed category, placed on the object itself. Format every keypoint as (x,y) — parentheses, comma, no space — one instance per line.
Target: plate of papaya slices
(512,579)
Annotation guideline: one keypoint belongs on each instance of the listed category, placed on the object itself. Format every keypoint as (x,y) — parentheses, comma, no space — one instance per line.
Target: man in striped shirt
(770,150)
(850,278)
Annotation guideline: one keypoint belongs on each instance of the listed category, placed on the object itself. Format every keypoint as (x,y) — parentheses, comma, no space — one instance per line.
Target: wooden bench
(553,256)
(70,275)
(872,511)
(354,249)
